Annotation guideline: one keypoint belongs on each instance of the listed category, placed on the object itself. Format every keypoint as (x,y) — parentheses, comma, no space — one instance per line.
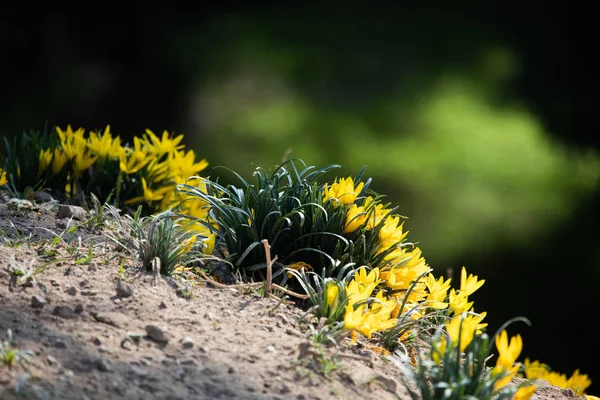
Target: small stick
(284,290)
(268,284)
(270,262)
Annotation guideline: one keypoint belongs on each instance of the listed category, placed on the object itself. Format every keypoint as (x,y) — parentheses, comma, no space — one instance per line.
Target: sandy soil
(95,338)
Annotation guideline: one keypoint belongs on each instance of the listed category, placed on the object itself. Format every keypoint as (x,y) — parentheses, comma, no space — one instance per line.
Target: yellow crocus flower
(508,352)
(331,294)
(408,267)
(189,244)
(377,316)
(463,327)
(45,159)
(149,195)
(3,179)
(391,233)
(579,382)
(132,160)
(459,302)
(363,284)
(355,218)
(166,145)
(299,266)
(158,171)
(59,161)
(82,162)
(209,243)
(377,213)
(72,142)
(103,145)
(438,290)
(535,369)
(525,392)
(469,284)
(183,165)
(342,192)
(512,372)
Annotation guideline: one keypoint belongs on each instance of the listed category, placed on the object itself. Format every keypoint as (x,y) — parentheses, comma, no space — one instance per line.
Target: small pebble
(63,311)
(187,342)
(38,301)
(124,290)
(103,365)
(157,333)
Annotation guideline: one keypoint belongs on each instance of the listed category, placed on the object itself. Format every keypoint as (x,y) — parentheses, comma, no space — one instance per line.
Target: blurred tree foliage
(472,167)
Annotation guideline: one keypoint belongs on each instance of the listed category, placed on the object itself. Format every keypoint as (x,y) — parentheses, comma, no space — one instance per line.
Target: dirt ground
(95,338)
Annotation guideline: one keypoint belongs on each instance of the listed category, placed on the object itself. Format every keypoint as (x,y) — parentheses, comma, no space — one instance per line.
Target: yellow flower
(167,145)
(82,162)
(469,284)
(356,216)
(158,171)
(132,160)
(189,244)
(183,165)
(298,266)
(409,268)
(72,142)
(3,180)
(149,194)
(342,192)
(466,331)
(510,374)
(332,293)
(438,289)
(508,352)
(359,288)
(363,284)
(391,233)
(535,369)
(480,325)
(209,243)
(378,316)
(459,302)
(369,319)
(104,146)
(45,159)
(525,392)
(59,161)
(590,397)
(192,206)
(579,382)
(557,379)
(377,213)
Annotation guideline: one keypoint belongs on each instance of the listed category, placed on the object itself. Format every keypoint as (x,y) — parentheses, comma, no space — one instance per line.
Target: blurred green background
(476,120)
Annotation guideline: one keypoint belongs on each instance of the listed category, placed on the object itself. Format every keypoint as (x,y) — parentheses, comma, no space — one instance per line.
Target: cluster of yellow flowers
(577,382)
(154,165)
(404,279)
(399,277)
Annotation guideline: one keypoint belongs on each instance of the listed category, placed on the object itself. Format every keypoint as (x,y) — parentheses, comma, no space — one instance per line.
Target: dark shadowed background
(475,119)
